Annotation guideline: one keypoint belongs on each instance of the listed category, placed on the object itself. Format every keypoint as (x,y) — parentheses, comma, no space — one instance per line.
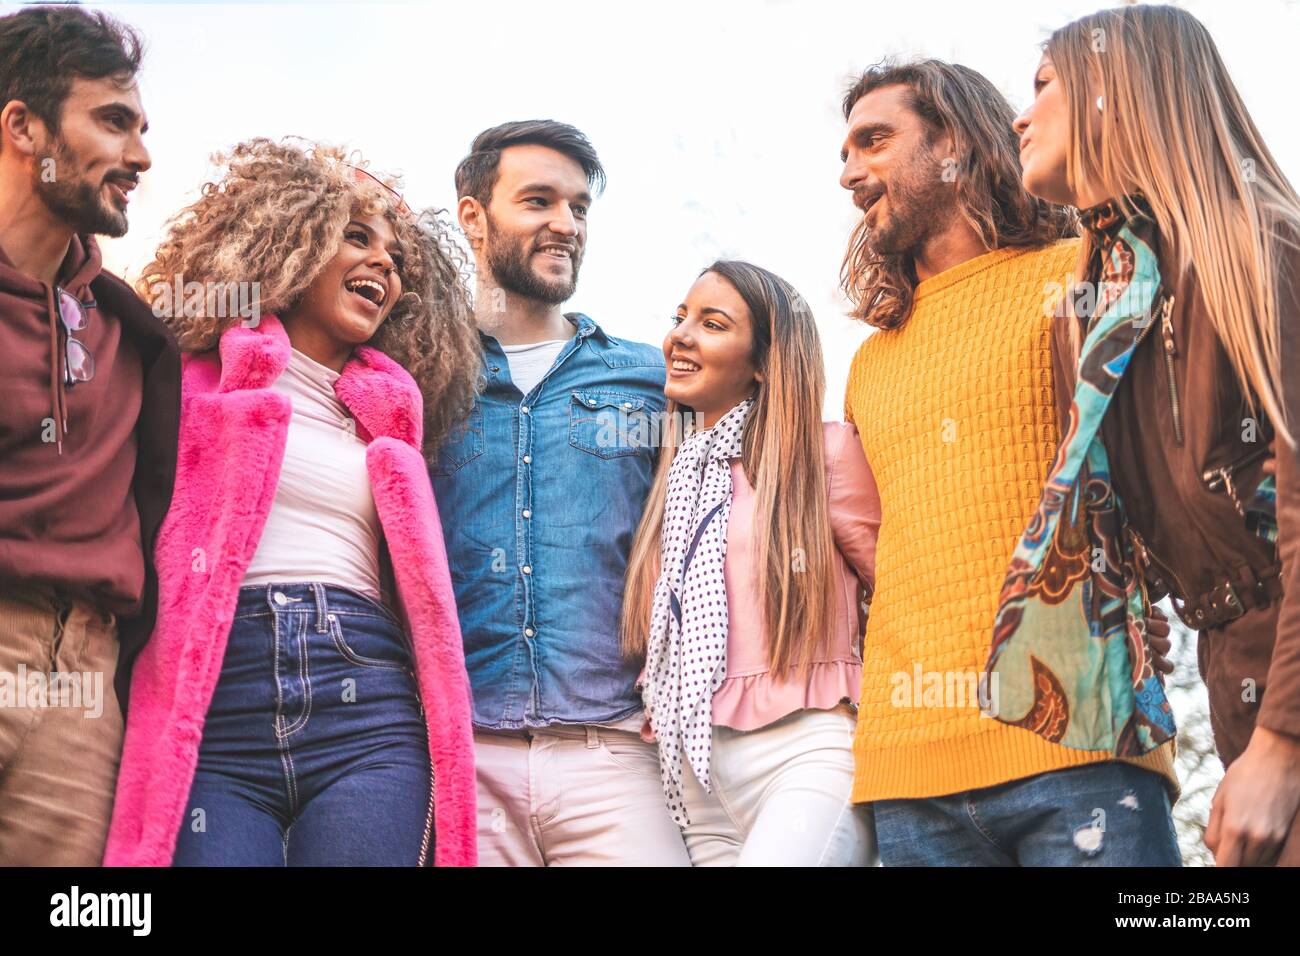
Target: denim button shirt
(540,496)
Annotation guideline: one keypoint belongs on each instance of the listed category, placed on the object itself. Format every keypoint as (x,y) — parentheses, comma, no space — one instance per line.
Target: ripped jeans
(1102,814)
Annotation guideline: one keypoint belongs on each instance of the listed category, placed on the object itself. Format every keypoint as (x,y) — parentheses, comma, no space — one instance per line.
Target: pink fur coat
(233,433)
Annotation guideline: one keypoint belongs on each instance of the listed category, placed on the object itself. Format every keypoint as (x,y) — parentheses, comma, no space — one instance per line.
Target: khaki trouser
(572,796)
(60,729)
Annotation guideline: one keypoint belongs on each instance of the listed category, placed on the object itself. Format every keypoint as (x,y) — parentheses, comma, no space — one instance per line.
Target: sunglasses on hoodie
(78,363)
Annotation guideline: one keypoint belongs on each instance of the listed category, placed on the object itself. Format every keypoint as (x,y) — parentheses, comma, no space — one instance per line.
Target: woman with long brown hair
(306,683)
(1178,364)
(743,583)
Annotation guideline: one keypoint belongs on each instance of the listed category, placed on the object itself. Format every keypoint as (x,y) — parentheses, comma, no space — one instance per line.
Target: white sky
(718,122)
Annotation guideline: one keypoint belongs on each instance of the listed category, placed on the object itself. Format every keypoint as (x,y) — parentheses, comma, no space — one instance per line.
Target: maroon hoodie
(79,505)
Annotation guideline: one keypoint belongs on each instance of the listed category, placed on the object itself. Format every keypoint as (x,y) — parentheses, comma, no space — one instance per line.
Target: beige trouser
(60,729)
(572,796)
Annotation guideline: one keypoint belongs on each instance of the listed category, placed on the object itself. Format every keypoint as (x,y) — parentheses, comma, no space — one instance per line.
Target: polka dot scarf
(686,656)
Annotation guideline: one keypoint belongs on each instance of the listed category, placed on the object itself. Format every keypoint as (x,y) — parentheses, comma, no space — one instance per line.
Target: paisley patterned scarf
(1069,659)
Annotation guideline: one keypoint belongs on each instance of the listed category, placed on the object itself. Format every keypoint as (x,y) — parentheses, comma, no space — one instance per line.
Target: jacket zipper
(1144,553)
(1220,479)
(1142,334)
(1171,352)
(428,821)
(428,816)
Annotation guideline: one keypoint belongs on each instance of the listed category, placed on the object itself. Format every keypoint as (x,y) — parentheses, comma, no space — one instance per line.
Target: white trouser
(781,797)
(572,796)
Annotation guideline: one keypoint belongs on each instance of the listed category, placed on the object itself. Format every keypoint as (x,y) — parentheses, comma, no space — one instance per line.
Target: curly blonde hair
(276,217)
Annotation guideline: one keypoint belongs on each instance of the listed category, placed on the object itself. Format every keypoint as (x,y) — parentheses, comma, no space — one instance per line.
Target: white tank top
(323,525)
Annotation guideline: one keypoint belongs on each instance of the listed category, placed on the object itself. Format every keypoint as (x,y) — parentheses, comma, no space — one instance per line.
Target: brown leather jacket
(1179,438)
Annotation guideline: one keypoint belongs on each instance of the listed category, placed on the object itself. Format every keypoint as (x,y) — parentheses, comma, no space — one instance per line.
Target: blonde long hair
(1174,129)
(784,460)
(275,217)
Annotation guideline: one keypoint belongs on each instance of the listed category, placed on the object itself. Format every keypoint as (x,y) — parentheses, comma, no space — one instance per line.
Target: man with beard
(89,405)
(956,264)
(541,493)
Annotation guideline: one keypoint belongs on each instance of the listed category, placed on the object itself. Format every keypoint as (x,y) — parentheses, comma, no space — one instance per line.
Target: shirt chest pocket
(609,424)
(463,445)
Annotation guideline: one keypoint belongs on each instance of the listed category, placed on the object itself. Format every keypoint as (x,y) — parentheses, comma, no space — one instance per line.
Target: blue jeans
(314,750)
(1104,814)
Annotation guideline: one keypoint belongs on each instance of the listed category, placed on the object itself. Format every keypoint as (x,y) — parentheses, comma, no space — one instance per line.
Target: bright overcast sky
(718,122)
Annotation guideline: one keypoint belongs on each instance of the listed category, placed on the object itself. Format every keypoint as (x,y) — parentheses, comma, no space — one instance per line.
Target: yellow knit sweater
(958,423)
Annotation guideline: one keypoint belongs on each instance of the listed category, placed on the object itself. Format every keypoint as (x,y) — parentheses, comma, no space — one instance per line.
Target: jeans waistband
(309,597)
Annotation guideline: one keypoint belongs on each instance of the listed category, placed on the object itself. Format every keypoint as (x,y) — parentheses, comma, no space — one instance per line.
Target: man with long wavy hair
(953,262)
(89,405)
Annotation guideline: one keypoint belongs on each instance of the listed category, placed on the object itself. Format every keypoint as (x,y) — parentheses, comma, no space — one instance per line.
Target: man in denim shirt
(540,494)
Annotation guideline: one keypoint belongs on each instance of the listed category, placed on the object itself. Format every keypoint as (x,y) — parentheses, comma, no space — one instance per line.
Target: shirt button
(529,632)
(279,598)
(591,401)
(527,513)
(627,404)
(527,569)
(524,409)
(528,459)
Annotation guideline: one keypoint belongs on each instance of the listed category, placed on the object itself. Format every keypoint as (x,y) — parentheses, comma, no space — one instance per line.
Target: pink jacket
(233,432)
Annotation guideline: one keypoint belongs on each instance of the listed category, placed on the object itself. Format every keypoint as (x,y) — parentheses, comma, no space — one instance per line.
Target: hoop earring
(1100,102)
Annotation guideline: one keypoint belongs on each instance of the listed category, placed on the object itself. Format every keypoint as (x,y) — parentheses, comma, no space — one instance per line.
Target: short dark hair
(43,48)
(476,175)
